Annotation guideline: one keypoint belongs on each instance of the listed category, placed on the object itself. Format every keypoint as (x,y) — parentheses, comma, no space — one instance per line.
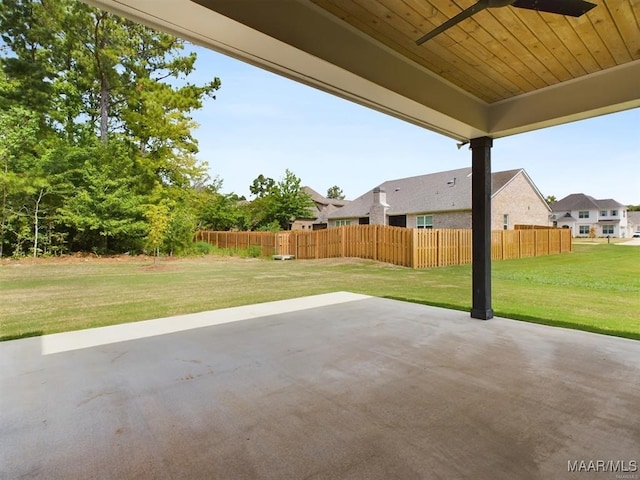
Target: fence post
(414,248)
(570,235)
(375,243)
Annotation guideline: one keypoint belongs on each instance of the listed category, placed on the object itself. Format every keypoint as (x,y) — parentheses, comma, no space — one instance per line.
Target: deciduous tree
(278,204)
(18,132)
(87,77)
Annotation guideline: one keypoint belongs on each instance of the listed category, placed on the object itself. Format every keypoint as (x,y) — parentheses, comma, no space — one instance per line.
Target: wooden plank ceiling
(503,52)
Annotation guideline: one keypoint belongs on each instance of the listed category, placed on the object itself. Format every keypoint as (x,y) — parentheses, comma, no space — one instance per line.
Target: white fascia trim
(608,91)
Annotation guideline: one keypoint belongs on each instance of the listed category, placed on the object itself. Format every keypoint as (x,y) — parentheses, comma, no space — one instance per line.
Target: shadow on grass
(17,336)
(572,326)
(530,319)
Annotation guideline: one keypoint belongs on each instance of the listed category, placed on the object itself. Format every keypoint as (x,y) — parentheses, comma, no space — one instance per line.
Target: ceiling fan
(572,8)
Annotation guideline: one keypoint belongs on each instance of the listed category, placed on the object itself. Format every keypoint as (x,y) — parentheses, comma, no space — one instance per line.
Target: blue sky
(262,123)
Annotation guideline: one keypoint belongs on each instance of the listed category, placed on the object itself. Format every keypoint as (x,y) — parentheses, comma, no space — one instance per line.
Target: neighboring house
(633,223)
(443,200)
(586,216)
(318,214)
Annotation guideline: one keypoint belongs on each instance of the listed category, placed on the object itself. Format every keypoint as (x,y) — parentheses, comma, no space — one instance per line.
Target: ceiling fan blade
(572,8)
(473,9)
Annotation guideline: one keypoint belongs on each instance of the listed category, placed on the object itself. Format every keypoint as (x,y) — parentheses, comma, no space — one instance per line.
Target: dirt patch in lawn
(77,258)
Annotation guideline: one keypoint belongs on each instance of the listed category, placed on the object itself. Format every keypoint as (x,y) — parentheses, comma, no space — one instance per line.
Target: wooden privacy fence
(240,240)
(409,247)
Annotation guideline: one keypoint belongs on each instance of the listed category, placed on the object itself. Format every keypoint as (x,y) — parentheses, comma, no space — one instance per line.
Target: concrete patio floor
(337,386)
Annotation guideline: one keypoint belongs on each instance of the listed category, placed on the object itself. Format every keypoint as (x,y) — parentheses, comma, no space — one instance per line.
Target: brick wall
(445,219)
(523,205)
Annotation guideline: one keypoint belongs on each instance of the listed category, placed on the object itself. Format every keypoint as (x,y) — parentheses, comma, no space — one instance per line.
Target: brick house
(588,217)
(322,207)
(443,200)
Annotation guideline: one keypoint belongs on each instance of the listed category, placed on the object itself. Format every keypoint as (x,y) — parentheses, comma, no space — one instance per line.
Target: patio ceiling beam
(600,93)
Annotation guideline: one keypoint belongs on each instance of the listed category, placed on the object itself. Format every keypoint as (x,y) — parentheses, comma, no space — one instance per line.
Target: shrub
(203,248)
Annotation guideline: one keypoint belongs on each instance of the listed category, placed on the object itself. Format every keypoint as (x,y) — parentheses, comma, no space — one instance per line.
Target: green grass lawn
(596,288)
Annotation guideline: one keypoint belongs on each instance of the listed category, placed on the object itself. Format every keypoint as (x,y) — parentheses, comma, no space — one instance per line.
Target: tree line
(96,144)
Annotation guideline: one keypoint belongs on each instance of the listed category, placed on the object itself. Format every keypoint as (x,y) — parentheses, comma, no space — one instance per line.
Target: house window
(603,213)
(607,229)
(342,223)
(584,230)
(583,214)
(505,221)
(614,213)
(424,221)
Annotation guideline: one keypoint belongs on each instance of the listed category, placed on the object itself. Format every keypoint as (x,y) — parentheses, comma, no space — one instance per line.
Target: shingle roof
(609,203)
(323,216)
(318,198)
(442,191)
(322,206)
(580,201)
(566,218)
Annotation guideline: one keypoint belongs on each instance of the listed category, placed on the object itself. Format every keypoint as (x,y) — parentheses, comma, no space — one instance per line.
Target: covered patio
(345,386)
(335,386)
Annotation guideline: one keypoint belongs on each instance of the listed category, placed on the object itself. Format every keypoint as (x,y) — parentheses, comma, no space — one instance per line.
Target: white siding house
(588,217)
